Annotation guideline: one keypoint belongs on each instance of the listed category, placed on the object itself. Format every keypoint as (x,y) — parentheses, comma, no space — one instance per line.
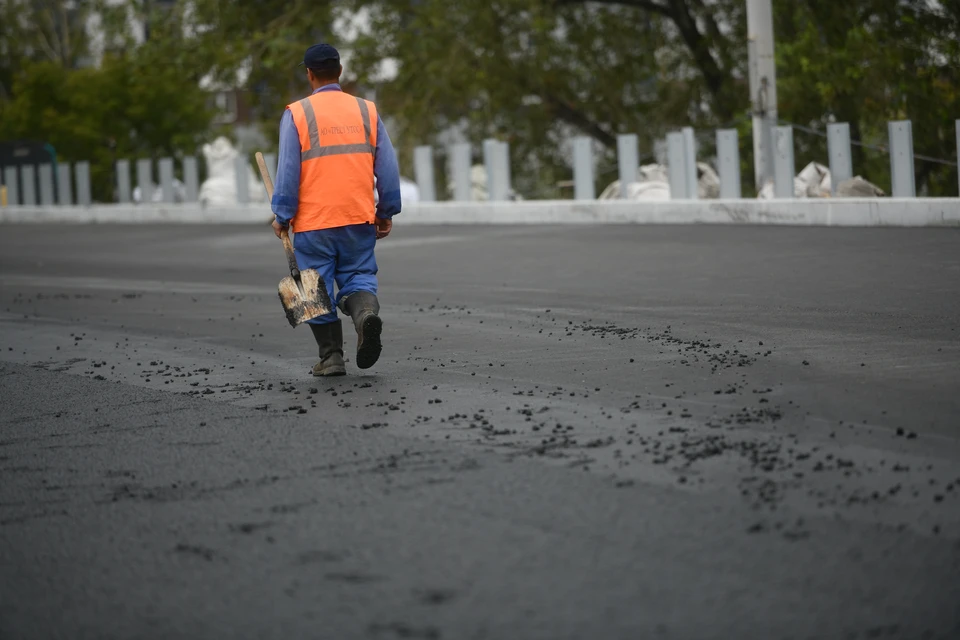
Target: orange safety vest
(338,138)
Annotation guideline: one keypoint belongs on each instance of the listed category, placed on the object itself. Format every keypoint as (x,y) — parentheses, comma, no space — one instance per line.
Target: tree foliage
(534,73)
(531,72)
(40,32)
(142,100)
(267,37)
(510,69)
(867,62)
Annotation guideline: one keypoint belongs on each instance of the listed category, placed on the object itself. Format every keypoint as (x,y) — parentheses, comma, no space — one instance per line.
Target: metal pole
(763,86)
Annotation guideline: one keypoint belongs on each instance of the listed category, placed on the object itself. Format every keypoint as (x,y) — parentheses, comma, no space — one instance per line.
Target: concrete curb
(848,212)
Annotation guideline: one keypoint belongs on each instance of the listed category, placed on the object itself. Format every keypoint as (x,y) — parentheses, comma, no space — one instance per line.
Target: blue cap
(319,55)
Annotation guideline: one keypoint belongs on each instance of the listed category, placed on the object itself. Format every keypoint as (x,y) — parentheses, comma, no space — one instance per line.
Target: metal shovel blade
(304,304)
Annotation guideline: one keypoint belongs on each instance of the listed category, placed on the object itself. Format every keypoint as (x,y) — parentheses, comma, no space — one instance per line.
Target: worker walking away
(333,150)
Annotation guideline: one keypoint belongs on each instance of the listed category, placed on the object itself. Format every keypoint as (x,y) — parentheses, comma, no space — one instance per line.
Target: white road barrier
(852,212)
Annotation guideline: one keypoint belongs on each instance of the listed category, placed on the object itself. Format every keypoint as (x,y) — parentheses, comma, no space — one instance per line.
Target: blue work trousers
(342,255)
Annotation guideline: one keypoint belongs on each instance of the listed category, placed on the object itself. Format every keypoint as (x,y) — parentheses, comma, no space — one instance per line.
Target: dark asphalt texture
(573,432)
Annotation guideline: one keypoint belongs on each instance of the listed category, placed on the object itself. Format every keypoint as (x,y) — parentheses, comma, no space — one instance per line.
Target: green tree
(704,36)
(867,62)
(534,72)
(34,31)
(268,37)
(524,72)
(123,109)
(141,101)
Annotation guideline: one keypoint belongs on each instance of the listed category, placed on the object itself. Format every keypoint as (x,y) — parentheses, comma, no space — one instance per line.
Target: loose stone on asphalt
(168,467)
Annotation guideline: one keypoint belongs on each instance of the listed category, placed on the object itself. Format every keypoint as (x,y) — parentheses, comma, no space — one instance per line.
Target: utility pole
(146,20)
(763,87)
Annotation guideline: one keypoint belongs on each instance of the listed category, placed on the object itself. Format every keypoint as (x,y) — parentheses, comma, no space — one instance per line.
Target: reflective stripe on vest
(316,150)
(338,141)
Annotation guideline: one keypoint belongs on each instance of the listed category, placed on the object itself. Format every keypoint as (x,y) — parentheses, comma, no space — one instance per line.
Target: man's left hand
(384,225)
(277,228)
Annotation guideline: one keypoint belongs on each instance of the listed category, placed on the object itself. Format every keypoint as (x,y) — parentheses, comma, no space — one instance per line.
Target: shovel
(302,293)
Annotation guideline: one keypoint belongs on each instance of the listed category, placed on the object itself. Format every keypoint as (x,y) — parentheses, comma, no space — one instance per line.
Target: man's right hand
(277,228)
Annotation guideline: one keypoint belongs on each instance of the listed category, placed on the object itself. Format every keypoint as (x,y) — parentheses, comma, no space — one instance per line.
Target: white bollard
(423,173)
(958,156)
(460,171)
(677,166)
(28,178)
(583,188)
(728,163)
(45,173)
(241,169)
(64,190)
(902,176)
(838,150)
(628,161)
(496,160)
(81,175)
(489,158)
(13,190)
(505,178)
(165,166)
(690,162)
(123,181)
(191,180)
(145,179)
(783,168)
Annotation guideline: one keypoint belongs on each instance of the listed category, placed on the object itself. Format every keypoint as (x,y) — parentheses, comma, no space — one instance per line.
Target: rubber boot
(363,308)
(329,338)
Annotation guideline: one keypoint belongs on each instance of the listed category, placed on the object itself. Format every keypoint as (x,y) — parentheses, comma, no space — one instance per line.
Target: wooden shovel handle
(265,174)
(267,181)
(284,236)
(291,259)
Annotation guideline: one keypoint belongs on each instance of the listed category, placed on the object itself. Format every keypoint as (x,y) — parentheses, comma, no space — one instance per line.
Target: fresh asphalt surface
(573,432)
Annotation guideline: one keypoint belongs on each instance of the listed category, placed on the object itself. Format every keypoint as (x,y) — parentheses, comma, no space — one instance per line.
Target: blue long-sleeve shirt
(286,192)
